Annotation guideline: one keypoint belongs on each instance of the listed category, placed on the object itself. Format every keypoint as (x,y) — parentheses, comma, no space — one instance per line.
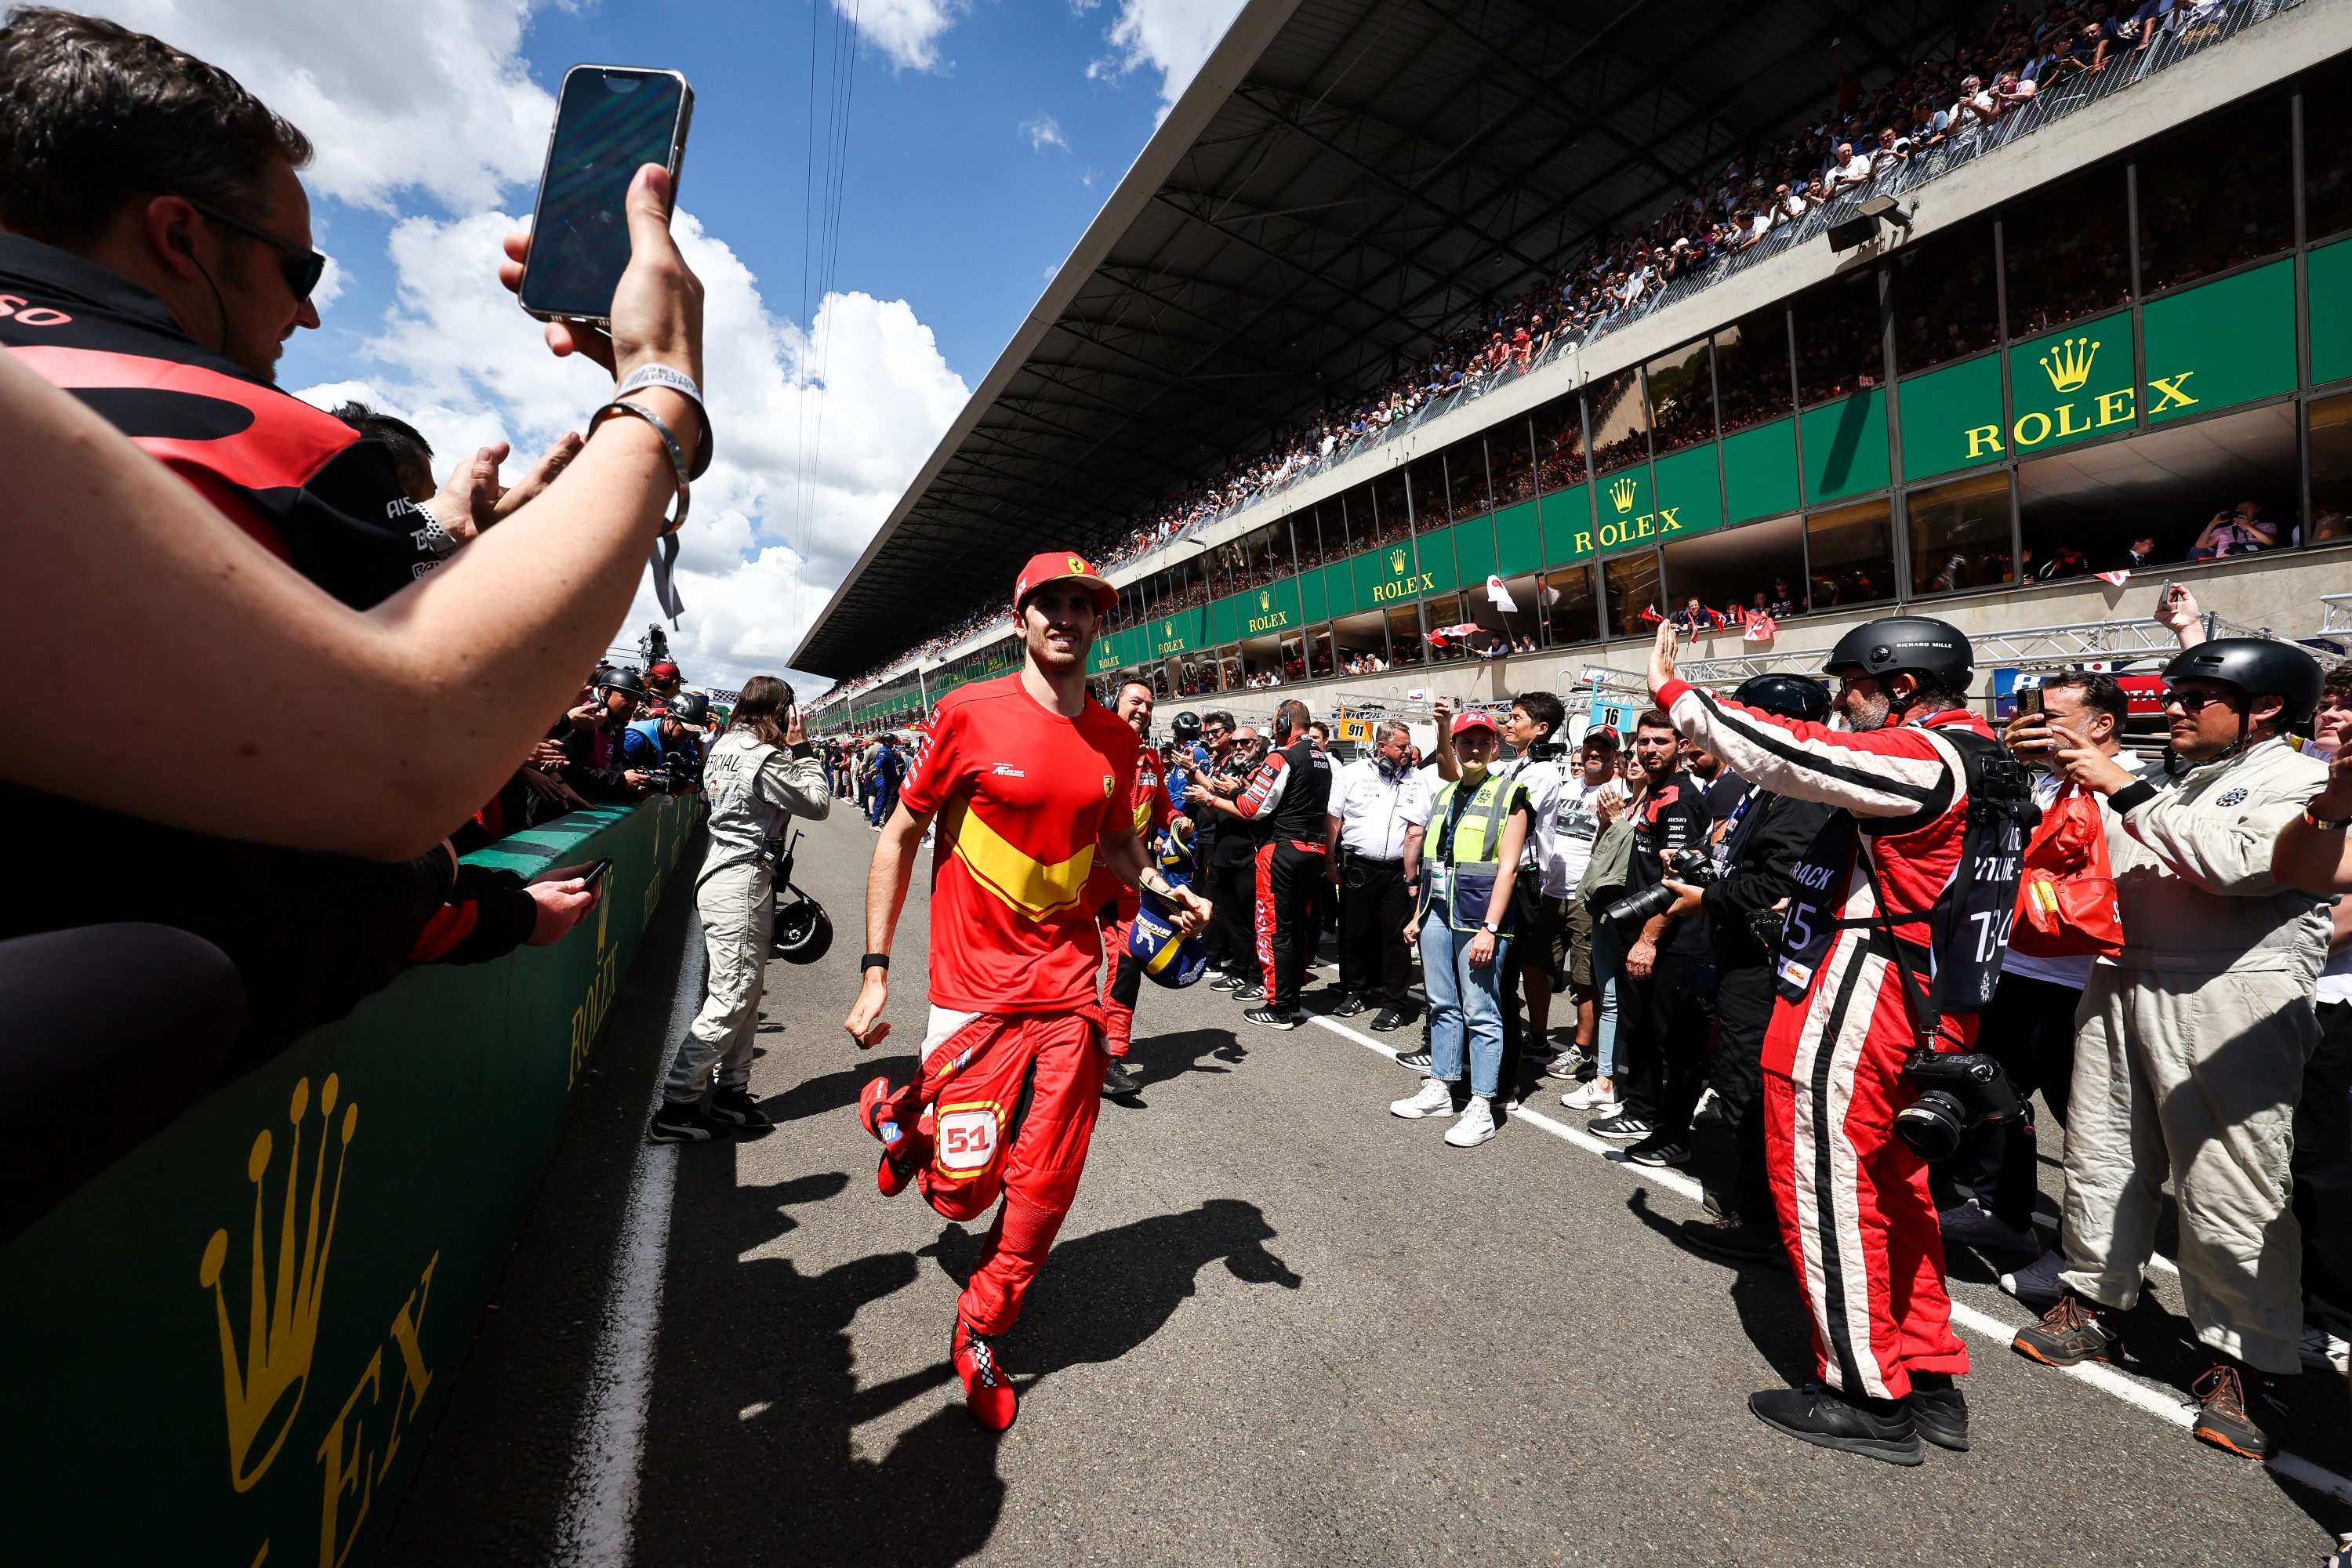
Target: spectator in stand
(1852,169)
(2134,556)
(1695,618)
(1379,811)
(307,862)
(1784,602)
(2239,531)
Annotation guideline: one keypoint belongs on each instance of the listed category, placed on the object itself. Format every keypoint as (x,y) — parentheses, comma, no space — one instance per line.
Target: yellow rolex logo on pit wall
(1623,494)
(1397,562)
(1167,630)
(1264,599)
(266,1368)
(2068,365)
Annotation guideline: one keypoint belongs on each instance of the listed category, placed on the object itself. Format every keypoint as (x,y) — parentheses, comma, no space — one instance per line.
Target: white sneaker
(1436,1099)
(1473,1126)
(2037,1284)
(1592,1097)
(2322,1351)
(1971,1225)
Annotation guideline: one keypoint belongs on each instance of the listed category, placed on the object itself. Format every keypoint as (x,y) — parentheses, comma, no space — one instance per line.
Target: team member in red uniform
(1286,797)
(1853,1198)
(1031,782)
(1118,903)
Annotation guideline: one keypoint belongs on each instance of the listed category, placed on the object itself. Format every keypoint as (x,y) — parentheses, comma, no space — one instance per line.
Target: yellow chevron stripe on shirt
(1029,886)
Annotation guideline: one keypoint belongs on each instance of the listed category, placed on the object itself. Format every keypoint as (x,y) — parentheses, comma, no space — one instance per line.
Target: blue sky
(983,137)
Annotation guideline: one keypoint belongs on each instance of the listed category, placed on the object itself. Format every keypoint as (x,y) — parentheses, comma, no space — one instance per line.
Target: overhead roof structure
(1344,183)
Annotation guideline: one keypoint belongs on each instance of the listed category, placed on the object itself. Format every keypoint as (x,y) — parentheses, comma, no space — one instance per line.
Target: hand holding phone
(610,121)
(594,875)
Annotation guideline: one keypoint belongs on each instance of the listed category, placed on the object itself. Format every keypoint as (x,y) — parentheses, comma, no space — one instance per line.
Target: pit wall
(231,1347)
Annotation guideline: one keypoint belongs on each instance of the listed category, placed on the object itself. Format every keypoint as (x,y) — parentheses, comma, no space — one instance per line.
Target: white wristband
(654,373)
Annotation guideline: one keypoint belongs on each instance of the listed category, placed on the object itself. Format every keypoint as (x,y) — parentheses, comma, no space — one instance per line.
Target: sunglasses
(304,268)
(2193,703)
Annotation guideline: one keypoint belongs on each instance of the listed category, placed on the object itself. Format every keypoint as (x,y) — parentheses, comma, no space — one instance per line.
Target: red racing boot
(988,1391)
(906,1149)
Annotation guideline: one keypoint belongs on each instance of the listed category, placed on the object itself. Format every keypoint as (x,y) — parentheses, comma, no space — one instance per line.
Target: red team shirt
(1022,796)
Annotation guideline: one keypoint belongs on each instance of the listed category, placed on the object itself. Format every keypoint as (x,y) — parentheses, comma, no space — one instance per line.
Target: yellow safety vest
(1469,849)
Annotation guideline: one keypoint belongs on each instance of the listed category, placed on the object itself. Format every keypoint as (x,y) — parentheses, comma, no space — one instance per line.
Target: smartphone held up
(610,121)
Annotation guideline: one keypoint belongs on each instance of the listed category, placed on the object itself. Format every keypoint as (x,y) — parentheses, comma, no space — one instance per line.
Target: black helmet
(691,709)
(1186,726)
(1789,696)
(2259,666)
(625,678)
(1936,651)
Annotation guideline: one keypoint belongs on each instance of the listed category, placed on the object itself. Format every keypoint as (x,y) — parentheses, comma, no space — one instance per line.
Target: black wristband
(2132,796)
(803,750)
(881,961)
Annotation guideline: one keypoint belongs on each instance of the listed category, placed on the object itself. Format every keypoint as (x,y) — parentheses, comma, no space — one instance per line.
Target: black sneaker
(2223,1417)
(1417,1060)
(1939,1410)
(1659,1150)
(1274,1018)
(679,1124)
(1348,1006)
(1118,1081)
(1880,1429)
(738,1107)
(1249,994)
(1224,981)
(2072,1332)
(1391,1018)
(1729,1236)
(1631,1128)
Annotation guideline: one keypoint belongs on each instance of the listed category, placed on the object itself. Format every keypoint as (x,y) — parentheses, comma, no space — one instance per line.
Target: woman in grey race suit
(760,774)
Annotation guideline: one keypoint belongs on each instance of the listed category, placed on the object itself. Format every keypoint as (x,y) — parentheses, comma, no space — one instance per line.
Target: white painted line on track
(2157,1402)
(600,1503)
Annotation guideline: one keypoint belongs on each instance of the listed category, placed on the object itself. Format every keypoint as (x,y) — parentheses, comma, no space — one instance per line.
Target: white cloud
(1044,131)
(1174,38)
(865,398)
(431,95)
(908,31)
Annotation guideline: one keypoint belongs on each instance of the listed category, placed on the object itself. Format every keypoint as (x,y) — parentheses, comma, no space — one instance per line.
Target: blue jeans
(1608,970)
(1463,998)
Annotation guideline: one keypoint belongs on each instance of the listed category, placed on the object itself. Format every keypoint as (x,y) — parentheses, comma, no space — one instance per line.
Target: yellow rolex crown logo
(1622,493)
(1169,630)
(1396,562)
(263,1386)
(2068,365)
(1264,599)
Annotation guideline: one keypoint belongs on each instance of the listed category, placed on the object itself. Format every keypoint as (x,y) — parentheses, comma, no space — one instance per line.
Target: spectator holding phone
(761,775)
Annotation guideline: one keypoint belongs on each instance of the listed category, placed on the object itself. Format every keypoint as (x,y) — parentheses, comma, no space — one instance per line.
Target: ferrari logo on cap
(1077,564)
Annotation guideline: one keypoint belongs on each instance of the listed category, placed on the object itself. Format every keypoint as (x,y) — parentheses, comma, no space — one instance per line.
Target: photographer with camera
(1889,948)
(667,747)
(1663,991)
(1756,866)
(762,774)
(2193,1039)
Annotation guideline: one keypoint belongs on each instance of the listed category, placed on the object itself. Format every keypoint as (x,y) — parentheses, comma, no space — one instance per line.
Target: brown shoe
(2072,1332)
(2222,1418)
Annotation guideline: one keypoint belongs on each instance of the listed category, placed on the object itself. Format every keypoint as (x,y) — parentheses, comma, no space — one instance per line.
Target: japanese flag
(1500,596)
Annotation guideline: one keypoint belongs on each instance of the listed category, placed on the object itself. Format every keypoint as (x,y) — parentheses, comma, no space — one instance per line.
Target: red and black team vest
(309,488)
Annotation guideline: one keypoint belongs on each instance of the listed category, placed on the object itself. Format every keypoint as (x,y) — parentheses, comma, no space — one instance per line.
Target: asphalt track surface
(1281,1327)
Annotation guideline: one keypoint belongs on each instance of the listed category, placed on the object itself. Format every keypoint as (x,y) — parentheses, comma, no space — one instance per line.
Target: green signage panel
(1690,491)
(1624,498)
(2074,384)
(1519,540)
(1759,471)
(1313,603)
(1951,417)
(1845,446)
(1567,518)
(1474,550)
(2330,271)
(1178,631)
(1225,621)
(1436,550)
(1105,657)
(2222,344)
(1387,577)
(1271,610)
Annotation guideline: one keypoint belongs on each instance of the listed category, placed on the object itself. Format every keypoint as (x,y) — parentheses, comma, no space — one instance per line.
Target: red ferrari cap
(665,670)
(1062,566)
(1474,720)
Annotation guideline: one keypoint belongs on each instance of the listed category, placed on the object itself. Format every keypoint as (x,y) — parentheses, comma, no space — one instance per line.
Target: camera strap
(1923,1003)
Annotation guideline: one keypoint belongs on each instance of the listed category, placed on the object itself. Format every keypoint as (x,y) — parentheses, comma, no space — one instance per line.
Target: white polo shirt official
(1374,810)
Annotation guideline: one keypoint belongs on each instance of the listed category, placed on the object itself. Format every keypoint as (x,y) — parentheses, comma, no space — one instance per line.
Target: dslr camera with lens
(1958,1090)
(1691,867)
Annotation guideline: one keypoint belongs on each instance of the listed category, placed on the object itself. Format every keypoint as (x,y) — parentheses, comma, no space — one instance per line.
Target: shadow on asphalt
(1770,1312)
(834,1091)
(1160,1057)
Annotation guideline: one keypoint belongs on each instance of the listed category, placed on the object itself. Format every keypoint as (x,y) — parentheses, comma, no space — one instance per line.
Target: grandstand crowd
(1947,100)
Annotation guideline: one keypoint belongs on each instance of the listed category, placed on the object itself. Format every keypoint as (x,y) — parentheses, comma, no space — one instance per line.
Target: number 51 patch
(967,1139)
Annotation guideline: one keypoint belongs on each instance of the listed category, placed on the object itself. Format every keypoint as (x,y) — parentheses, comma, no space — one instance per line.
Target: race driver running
(1853,1198)
(1117,902)
(1030,781)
